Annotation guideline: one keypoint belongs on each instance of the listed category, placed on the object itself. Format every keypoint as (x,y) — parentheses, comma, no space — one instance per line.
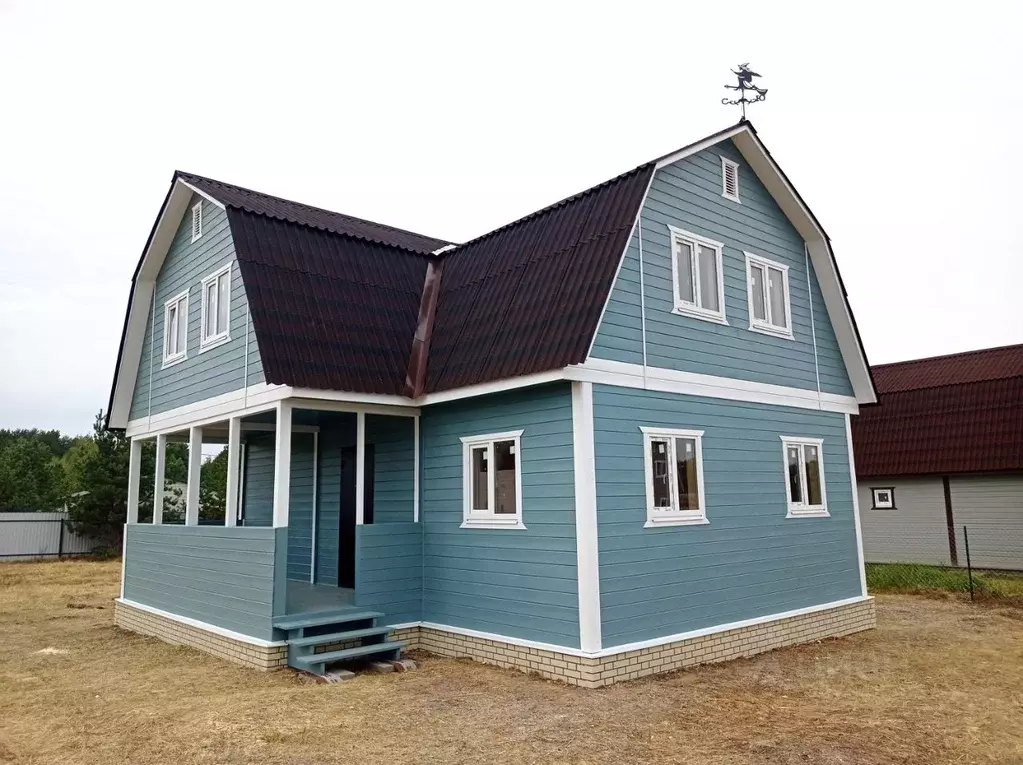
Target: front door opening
(346,529)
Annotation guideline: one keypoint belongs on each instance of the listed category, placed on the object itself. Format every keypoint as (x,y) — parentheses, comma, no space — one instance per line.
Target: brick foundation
(171,631)
(629,665)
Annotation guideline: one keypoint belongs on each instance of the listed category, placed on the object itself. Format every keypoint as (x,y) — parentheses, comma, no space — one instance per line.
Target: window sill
(652,523)
(696,313)
(884,508)
(822,513)
(784,334)
(489,523)
(172,362)
(213,342)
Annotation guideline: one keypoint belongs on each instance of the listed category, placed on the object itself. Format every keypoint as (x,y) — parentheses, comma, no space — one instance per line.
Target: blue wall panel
(521,583)
(687,195)
(389,570)
(750,560)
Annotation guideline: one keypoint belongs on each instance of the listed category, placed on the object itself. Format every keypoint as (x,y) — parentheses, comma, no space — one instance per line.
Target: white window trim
(474,519)
(765,327)
(889,505)
(170,360)
(683,308)
(206,343)
(725,164)
(657,517)
(801,509)
(197,215)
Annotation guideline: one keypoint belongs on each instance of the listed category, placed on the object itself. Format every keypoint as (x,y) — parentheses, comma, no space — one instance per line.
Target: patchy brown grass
(937,682)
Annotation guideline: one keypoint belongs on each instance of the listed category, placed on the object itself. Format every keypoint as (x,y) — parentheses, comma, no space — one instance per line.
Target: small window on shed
(729,179)
(884,499)
(197,221)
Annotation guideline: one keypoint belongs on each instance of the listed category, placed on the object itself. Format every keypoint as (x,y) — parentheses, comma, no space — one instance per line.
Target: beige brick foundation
(629,665)
(171,631)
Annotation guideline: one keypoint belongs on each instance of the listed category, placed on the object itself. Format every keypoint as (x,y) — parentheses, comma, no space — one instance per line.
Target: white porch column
(134,472)
(282,464)
(234,438)
(194,469)
(360,468)
(158,478)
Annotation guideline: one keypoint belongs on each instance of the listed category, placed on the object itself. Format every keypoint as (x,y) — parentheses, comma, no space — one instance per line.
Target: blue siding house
(607,440)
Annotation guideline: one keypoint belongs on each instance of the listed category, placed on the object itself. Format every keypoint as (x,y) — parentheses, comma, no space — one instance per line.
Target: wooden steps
(311,630)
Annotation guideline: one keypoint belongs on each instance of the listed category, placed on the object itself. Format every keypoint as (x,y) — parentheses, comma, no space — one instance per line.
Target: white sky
(898,125)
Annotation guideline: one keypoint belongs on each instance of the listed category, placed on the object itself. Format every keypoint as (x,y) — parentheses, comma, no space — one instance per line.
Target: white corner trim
(202,625)
(586,538)
(652,643)
(856,505)
(625,375)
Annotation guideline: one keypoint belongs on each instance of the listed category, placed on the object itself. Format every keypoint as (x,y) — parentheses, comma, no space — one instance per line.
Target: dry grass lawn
(939,681)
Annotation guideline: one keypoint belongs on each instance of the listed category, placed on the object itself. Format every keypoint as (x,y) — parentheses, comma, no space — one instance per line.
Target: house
(943,451)
(606,440)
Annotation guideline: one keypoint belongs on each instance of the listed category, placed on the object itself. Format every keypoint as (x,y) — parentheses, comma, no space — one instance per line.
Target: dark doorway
(346,532)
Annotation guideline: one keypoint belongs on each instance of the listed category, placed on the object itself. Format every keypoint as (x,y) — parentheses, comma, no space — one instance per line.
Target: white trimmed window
(804,477)
(696,271)
(769,309)
(884,499)
(216,308)
(673,461)
(197,220)
(492,474)
(175,329)
(730,179)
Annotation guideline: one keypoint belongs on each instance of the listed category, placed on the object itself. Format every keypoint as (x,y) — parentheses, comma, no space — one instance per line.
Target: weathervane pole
(745,85)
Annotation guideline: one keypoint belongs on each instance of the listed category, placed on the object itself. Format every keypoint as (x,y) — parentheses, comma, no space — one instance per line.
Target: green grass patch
(914,577)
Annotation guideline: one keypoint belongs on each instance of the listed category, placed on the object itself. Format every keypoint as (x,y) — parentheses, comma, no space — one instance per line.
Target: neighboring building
(944,450)
(606,440)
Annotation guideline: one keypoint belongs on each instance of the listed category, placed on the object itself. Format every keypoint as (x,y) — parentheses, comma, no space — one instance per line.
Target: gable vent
(196,221)
(730,179)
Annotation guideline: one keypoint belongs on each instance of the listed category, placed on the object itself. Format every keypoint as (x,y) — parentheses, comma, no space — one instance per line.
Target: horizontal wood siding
(687,195)
(210,373)
(222,576)
(520,583)
(258,486)
(915,531)
(991,507)
(750,560)
(389,570)
(394,467)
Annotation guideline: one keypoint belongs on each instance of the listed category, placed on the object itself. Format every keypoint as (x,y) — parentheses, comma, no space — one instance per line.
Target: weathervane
(745,75)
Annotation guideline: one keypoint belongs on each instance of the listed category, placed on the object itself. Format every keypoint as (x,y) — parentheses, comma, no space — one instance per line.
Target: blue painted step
(316,662)
(319,618)
(339,637)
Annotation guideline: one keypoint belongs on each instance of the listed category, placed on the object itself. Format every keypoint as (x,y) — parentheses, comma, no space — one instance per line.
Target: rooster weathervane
(745,86)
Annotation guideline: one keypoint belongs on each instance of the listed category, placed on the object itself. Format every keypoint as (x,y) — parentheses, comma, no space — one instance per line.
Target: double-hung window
(673,460)
(696,272)
(175,329)
(492,474)
(216,308)
(804,477)
(769,309)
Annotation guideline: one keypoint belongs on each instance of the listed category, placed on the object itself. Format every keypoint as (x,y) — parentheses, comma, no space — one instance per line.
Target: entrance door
(346,531)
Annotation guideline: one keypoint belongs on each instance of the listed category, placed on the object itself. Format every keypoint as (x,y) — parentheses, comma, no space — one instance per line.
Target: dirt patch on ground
(937,682)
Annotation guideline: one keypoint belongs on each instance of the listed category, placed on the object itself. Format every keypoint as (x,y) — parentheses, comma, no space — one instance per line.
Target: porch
(317,542)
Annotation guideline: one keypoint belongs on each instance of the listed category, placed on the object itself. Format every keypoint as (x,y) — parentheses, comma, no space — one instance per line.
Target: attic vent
(730,179)
(197,221)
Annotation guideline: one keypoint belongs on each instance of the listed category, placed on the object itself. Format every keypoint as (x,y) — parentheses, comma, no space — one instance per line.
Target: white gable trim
(142,294)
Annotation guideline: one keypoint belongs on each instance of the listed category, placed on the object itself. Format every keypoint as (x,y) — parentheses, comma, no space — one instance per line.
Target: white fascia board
(202,193)
(239,403)
(706,143)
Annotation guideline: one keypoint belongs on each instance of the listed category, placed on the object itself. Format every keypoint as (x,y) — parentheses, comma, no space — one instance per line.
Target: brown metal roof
(950,414)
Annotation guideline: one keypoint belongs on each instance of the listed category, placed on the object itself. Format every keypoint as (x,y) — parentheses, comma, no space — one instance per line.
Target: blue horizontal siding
(389,570)
(213,372)
(218,575)
(519,583)
(750,560)
(394,467)
(687,195)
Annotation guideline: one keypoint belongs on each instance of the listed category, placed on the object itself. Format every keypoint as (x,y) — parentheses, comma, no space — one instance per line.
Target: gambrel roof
(341,303)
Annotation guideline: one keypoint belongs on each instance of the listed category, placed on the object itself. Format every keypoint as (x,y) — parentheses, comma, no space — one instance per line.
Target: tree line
(45,470)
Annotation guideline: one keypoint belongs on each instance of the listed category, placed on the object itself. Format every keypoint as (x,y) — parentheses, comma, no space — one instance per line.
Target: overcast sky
(899,127)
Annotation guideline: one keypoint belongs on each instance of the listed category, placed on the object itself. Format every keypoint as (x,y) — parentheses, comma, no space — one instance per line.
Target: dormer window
(197,221)
(730,179)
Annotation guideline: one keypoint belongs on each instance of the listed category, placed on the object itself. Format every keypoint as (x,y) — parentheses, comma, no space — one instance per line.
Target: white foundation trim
(587,562)
(856,505)
(201,625)
(626,375)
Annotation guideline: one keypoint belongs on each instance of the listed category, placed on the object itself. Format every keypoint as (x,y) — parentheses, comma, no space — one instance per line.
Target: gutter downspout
(813,325)
(642,293)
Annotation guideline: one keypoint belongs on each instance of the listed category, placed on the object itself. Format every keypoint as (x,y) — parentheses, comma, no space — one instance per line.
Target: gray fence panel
(30,536)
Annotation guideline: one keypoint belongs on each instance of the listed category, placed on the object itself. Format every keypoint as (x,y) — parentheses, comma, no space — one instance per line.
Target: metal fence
(978,560)
(32,536)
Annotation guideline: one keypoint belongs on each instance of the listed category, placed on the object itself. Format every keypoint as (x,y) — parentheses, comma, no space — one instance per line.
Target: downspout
(316,491)
(642,294)
(813,325)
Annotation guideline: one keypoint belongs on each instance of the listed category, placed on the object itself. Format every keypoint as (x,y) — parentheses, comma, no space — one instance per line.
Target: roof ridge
(314,208)
(567,200)
(941,357)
